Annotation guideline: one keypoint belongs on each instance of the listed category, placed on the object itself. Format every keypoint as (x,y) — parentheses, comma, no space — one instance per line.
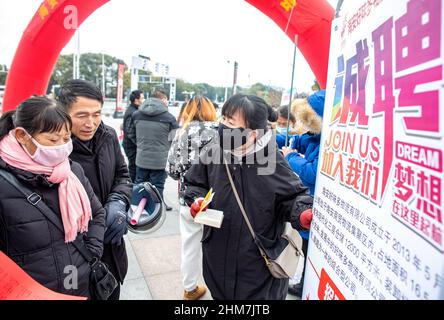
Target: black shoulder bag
(101,281)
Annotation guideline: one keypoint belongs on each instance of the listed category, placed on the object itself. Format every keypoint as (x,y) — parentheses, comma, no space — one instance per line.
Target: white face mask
(50,156)
(281,130)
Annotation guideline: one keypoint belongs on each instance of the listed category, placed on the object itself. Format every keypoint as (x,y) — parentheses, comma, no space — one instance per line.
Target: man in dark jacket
(136,100)
(150,129)
(96,148)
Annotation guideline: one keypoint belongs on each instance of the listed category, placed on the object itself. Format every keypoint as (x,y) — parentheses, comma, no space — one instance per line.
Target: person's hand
(116,225)
(195,207)
(305,218)
(286,151)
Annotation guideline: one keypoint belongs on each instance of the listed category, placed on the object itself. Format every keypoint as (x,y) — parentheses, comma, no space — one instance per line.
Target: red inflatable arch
(51,29)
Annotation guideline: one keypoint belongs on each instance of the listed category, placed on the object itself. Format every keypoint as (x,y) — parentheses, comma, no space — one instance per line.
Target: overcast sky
(195,37)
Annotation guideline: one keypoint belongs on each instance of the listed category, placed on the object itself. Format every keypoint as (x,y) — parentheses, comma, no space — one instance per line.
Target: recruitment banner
(16,284)
(119,93)
(378,213)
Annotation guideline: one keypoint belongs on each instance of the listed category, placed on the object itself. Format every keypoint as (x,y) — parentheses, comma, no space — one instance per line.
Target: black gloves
(116,227)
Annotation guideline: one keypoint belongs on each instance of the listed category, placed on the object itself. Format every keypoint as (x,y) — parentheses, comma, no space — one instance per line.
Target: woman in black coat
(34,147)
(270,192)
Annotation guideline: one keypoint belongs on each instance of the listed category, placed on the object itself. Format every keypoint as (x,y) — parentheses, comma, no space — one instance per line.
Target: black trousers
(131,155)
(304,250)
(155,177)
(117,260)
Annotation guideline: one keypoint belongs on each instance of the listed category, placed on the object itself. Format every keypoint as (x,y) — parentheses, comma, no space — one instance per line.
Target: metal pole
(227,79)
(74,62)
(291,88)
(78,55)
(103,74)
(74,68)
(338,8)
(235,68)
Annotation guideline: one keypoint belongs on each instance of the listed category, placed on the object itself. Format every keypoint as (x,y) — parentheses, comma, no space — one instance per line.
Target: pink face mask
(50,156)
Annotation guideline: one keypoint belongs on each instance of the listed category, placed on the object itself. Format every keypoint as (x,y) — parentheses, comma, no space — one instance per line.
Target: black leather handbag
(101,281)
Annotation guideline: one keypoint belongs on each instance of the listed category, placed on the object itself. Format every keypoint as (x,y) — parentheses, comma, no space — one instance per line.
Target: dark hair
(72,89)
(159,93)
(272,114)
(135,95)
(283,112)
(36,114)
(254,110)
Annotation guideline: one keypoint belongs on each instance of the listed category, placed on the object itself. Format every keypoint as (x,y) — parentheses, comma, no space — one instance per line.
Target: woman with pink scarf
(35,142)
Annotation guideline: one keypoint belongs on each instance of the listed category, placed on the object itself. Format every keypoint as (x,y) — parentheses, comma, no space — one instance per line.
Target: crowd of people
(62,152)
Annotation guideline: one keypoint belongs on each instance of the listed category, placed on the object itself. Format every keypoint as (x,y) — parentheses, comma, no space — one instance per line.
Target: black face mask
(231,138)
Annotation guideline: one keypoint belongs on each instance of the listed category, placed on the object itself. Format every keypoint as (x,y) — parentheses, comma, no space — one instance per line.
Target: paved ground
(154,259)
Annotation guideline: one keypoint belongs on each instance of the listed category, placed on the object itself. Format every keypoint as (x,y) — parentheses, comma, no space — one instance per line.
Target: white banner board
(378,213)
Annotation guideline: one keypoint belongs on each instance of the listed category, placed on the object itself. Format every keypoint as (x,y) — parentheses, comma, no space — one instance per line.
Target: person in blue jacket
(303,154)
(281,127)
